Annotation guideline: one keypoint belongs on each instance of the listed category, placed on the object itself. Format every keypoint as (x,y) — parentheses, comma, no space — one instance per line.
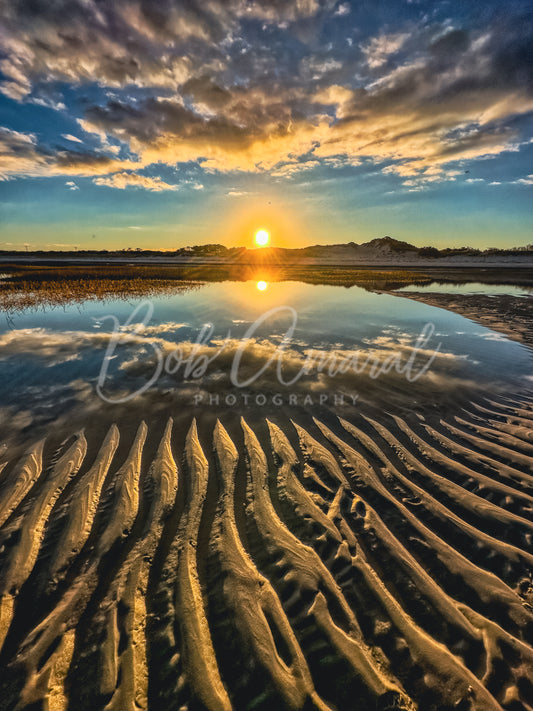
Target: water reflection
(50,361)
(25,287)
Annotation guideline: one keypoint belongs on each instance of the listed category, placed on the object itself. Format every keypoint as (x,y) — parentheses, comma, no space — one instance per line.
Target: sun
(262,238)
(262,285)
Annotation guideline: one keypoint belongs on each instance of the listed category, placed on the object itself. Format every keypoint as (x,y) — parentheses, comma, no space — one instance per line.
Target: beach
(214,547)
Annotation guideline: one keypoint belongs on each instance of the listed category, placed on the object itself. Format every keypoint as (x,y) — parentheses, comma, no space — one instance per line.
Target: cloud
(442,107)
(424,114)
(21,155)
(86,163)
(191,82)
(237,193)
(125,180)
(112,43)
(295,167)
(314,68)
(379,49)
(524,181)
(126,42)
(70,137)
(343,9)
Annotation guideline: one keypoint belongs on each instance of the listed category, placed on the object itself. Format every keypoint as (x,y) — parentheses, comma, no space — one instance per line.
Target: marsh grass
(30,287)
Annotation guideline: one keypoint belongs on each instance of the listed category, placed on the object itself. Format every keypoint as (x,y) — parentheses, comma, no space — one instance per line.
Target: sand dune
(373,564)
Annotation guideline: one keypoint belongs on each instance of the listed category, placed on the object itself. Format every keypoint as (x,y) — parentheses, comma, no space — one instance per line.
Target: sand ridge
(386,560)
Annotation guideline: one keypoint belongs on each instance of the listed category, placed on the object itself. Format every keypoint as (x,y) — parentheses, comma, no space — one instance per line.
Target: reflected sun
(262,238)
(262,285)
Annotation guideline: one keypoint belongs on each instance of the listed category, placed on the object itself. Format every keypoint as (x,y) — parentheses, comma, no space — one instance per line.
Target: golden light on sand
(262,238)
(262,285)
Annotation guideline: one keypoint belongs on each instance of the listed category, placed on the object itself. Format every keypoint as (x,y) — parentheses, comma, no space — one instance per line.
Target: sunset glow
(138,125)
(262,238)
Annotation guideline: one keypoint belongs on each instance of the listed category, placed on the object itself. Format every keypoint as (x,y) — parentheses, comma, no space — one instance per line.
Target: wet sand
(380,563)
(510,315)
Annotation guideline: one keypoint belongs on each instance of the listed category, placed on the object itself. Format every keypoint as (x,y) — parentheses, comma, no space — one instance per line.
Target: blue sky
(141,124)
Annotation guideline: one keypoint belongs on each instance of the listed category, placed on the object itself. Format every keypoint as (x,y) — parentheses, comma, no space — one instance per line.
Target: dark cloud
(205,90)
(85,161)
(157,117)
(512,59)
(20,154)
(451,44)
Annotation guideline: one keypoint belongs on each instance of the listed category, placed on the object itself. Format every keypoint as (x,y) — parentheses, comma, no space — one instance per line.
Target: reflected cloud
(136,355)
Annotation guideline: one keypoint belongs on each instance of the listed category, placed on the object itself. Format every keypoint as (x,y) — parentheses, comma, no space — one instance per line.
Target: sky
(144,124)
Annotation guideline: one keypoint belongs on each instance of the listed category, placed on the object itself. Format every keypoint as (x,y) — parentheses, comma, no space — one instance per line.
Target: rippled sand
(341,565)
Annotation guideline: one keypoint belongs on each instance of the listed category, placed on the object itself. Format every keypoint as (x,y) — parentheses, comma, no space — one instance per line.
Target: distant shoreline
(392,263)
(378,253)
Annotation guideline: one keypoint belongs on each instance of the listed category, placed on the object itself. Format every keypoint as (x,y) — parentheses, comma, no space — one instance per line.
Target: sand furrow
(313,452)
(128,590)
(509,446)
(485,511)
(443,604)
(21,481)
(369,522)
(251,597)
(31,522)
(473,627)
(514,426)
(308,571)
(516,406)
(508,495)
(49,683)
(198,654)
(304,564)
(502,409)
(124,501)
(441,667)
(492,408)
(387,565)
(80,510)
(482,444)
(28,529)
(40,643)
(290,486)
(517,431)
(448,518)
(442,670)
(497,470)
(487,587)
(123,653)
